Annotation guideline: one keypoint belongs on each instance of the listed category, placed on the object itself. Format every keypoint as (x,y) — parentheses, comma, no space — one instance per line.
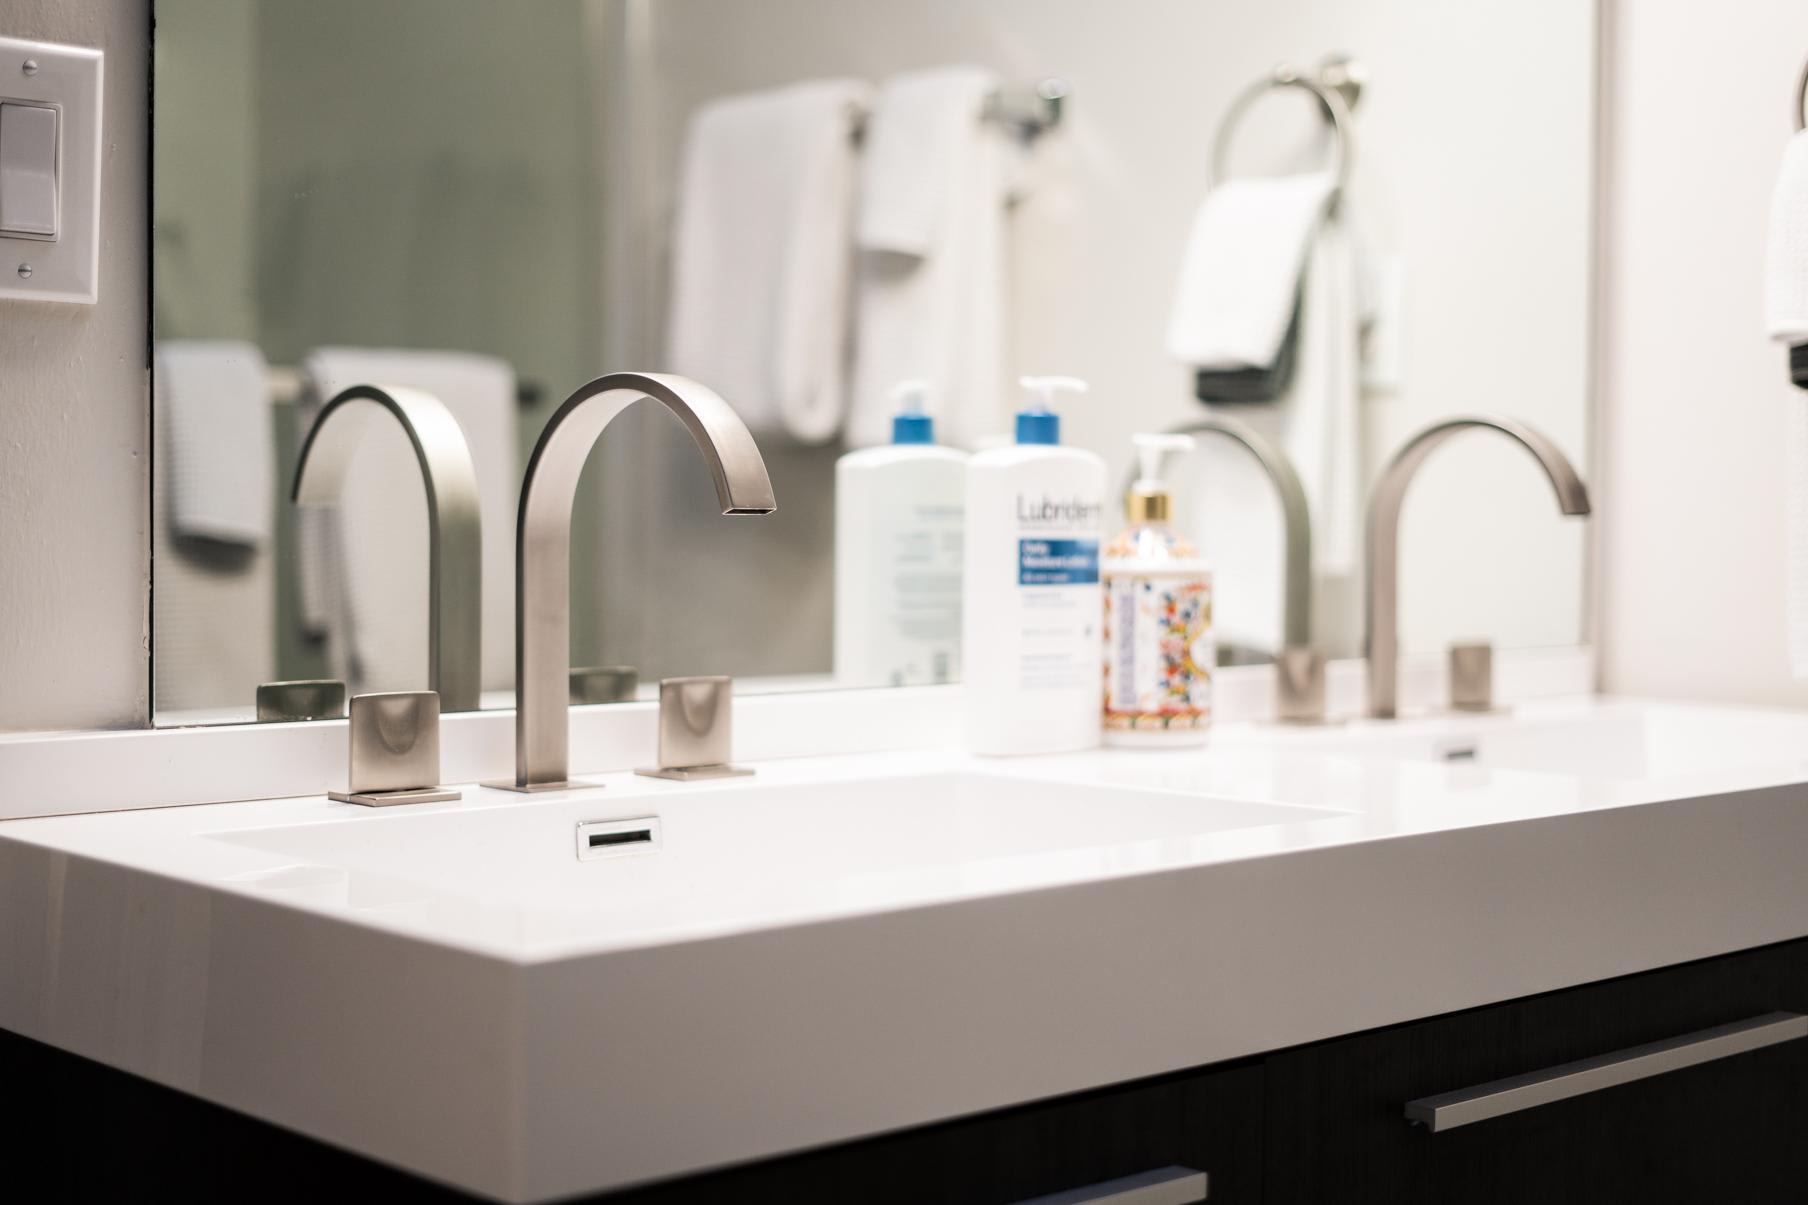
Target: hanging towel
(762,258)
(1786,267)
(930,234)
(363,585)
(1786,321)
(1317,424)
(216,397)
(1240,274)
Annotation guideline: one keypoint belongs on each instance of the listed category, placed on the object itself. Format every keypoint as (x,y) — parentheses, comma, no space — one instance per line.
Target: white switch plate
(67,78)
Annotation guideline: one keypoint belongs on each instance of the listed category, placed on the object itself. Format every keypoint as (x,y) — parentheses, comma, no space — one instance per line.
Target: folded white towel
(368,589)
(1317,423)
(216,397)
(1786,267)
(1240,274)
(933,191)
(762,256)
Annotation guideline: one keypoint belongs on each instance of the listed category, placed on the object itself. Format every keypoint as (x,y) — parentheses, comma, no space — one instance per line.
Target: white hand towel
(930,234)
(1317,423)
(1239,276)
(217,402)
(360,581)
(1786,320)
(1786,267)
(762,258)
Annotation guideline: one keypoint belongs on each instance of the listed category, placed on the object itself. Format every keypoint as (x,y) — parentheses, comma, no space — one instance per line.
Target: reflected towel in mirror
(762,258)
(930,294)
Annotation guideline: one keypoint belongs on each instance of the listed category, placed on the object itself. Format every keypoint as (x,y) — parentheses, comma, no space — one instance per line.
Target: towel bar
(1337,84)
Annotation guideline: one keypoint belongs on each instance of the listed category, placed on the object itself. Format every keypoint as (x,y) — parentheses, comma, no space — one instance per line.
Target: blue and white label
(1057,562)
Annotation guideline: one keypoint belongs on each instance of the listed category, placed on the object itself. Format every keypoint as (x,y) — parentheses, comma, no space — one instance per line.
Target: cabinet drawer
(1208,1121)
(1723,1125)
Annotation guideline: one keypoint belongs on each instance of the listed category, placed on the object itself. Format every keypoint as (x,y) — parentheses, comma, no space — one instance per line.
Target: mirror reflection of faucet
(1299,668)
(454,520)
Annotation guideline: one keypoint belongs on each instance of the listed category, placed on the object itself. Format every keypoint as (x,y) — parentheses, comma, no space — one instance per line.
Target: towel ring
(1801,101)
(1330,98)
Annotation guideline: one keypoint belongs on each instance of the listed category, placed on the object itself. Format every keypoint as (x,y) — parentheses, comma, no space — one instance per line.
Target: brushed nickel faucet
(1382,619)
(1299,670)
(543,545)
(454,520)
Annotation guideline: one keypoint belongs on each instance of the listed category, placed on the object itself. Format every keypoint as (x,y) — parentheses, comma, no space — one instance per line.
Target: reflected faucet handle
(300,699)
(695,729)
(394,756)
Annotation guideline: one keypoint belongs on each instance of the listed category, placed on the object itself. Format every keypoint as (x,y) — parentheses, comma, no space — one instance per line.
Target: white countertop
(844,945)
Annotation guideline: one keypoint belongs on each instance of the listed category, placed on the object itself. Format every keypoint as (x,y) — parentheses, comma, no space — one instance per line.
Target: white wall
(1692,466)
(1474,164)
(74,430)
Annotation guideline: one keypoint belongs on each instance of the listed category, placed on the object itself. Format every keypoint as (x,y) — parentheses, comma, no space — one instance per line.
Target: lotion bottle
(1159,648)
(1030,646)
(899,525)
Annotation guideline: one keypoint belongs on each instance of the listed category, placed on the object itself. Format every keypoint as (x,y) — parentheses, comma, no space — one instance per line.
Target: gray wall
(74,430)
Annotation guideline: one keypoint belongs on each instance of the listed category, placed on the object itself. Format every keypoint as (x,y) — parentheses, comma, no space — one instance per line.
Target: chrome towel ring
(1336,84)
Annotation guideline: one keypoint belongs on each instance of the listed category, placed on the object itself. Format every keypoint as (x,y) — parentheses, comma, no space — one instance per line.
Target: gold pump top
(1149,500)
(1148,506)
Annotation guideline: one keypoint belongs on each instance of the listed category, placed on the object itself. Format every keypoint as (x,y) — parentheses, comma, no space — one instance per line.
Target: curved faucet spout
(1296,520)
(454,522)
(543,543)
(1383,536)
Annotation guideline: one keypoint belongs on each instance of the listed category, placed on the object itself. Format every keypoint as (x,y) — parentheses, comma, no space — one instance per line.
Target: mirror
(494,203)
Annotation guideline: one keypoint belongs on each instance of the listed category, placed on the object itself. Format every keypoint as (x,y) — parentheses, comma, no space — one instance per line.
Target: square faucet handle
(695,729)
(394,754)
(1299,672)
(1472,676)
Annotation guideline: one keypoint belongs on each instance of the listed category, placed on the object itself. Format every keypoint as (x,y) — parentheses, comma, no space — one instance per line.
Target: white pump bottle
(1159,649)
(899,520)
(1030,629)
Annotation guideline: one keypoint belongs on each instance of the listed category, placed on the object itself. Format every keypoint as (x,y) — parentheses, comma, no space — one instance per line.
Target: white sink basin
(729,854)
(1622,743)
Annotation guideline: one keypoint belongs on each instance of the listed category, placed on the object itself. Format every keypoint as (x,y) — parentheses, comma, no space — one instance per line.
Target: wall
(1692,462)
(74,430)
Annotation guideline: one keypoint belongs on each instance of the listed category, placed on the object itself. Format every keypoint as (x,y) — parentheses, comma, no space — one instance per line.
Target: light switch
(28,171)
(50,161)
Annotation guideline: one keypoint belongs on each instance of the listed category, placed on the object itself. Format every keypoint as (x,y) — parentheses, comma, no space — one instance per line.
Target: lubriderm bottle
(899,524)
(1030,629)
(1159,649)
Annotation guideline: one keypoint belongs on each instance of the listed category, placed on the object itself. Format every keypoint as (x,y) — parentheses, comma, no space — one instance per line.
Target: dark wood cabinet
(1210,1121)
(1733,1129)
(1320,1123)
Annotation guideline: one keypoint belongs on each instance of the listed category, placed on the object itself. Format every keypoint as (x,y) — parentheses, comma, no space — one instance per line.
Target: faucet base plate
(535,788)
(383,799)
(696,773)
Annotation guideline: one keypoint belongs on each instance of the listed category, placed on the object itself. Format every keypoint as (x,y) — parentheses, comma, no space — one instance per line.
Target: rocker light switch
(28,175)
(50,161)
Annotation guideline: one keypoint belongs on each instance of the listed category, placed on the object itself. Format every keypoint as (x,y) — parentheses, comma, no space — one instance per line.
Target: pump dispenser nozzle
(1149,500)
(1037,422)
(911,424)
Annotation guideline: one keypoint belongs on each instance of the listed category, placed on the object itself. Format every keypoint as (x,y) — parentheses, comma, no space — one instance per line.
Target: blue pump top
(1037,422)
(910,425)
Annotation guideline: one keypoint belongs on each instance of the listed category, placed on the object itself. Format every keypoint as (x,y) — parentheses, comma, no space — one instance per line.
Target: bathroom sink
(1621,742)
(727,855)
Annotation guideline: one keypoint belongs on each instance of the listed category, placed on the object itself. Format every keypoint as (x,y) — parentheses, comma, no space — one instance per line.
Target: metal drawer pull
(1448,1110)
(1163,1186)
